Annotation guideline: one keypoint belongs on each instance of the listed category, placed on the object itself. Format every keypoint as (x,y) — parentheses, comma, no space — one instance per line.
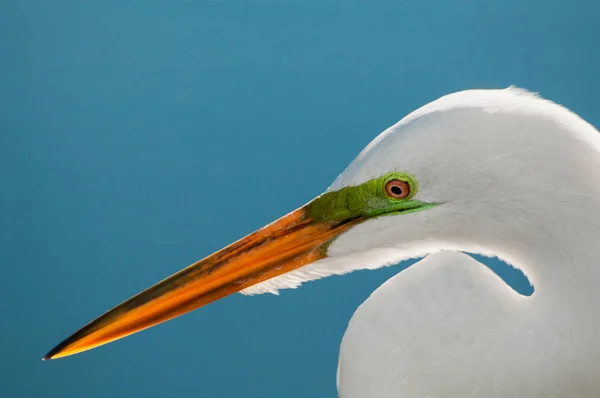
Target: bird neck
(561,257)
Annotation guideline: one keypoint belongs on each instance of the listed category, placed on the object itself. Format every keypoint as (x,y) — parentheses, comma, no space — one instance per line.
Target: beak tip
(51,355)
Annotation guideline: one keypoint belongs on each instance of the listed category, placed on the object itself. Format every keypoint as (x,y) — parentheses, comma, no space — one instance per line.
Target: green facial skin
(367,200)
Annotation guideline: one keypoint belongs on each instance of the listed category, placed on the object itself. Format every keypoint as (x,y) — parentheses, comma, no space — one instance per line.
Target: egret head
(444,177)
(488,166)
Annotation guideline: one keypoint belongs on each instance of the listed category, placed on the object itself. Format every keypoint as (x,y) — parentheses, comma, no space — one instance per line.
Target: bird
(502,173)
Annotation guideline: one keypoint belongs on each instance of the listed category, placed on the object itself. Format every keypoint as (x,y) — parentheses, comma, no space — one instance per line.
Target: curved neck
(559,251)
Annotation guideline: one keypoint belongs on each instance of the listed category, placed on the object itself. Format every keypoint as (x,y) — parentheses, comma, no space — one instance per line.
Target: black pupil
(396,190)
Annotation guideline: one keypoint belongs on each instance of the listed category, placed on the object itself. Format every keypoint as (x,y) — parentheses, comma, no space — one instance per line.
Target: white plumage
(517,177)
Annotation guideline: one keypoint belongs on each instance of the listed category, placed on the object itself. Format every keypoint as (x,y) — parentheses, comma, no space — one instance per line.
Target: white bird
(498,172)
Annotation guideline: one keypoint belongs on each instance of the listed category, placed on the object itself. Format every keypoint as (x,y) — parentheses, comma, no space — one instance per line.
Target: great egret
(498,172)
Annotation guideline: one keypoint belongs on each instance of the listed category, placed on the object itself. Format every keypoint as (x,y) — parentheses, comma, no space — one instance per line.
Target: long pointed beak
(292,241)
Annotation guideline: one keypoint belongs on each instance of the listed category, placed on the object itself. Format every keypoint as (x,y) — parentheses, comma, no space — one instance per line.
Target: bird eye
(397,189)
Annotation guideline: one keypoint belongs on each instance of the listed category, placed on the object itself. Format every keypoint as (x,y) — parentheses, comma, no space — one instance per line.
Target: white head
(508,169)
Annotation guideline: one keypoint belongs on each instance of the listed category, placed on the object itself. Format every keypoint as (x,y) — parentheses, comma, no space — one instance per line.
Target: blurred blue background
(138,137)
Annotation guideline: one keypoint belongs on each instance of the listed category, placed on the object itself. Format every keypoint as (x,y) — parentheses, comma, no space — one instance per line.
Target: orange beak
(282,246)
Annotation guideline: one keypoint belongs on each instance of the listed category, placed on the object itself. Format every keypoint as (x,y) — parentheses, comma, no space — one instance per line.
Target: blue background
(137,137)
